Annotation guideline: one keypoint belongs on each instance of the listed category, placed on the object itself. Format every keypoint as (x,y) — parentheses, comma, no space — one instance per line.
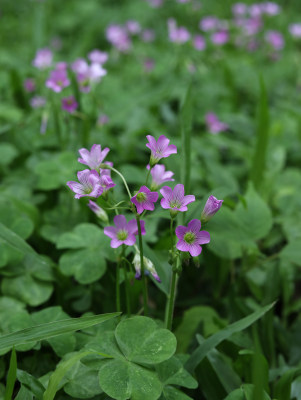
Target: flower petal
(130,240)
(183,246)
(194,226)
(110,231)
(188,199)
(120,222)
(202,237)
(195,250)
(116,243)
(180,231)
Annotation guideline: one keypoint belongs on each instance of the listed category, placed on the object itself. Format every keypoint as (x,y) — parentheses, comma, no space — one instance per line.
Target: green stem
(118,287)
(147,176)
(127,291)
(143,277)
(105,166)
(171,299)
(171,234)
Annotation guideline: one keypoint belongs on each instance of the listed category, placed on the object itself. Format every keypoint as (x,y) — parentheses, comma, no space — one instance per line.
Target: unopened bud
(211,208)
(101,214)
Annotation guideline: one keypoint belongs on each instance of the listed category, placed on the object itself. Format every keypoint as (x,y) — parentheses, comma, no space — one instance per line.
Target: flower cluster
(96,180)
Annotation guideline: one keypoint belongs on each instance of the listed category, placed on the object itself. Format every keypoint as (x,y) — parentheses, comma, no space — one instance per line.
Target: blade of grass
(202,350)
(262,138)
(51,329)
(11,376)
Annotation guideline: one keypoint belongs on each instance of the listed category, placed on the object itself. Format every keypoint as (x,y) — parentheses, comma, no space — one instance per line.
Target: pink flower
(98,57)
(199,42)
(89,184)
(155,3)
(148,35)
(118,36)
(239,9)
(159,176)
(133,27)
(105,180)
(211,208)
(123,232)
(43,58)
(98,211)
(295,30)
(144,199)
(275,39)
(94,157)
(219,38)
(209,23)
(160,148)
(57,80)
(80,66)
(69,104)
(191,237)
(29,85)
(61,65)
(177,34)
(175,199)
(215,126)
(271,8)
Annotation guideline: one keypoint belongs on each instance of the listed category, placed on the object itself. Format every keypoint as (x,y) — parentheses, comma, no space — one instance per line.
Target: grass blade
(203,349)
(11,376)
(51,329)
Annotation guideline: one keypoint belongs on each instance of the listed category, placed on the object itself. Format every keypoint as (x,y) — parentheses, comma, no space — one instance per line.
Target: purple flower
(58,80)
(144,199)
(80,66)
(103,119)
(118,36)
(159,176)
(191,237)
(149,64)
(62,65)
(177,34)
(123,232)
(211,208)
(175,199)
(215,126)
(69,104)
(239,9)
(105,180)
(94,157)
(199,42)
(98,57)
(29,85)
(100,212)
(43,58)
(160,148)
(155,3)
(270,8)
(219,38)
(209,23)
(89,184)
(133,27)
(37,102)
(295,30)
(275,39)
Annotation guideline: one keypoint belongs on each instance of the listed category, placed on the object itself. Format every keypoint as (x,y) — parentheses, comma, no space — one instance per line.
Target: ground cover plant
(150,218)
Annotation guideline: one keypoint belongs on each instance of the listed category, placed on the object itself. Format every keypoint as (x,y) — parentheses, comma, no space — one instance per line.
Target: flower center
(175,204)
(122,235)
(189,238)
(141,197)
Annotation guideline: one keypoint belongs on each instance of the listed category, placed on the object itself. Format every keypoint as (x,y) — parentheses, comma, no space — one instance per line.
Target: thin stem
(171,234)
(147,176)
(171,299)
(127,291)
(118,287)
(105,166)
(143,277)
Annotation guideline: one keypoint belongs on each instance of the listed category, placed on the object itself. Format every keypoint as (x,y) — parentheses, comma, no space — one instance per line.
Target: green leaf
(171,393)
(283,386)
(123,380)
(8,153)
(142,341)
(11,376)
(59,373)
(200,353)
(49,330)
(172,372)
(292,252)
(186,123)
(262,138)
(256,218)
(245,392)
(31,383)
(87,264)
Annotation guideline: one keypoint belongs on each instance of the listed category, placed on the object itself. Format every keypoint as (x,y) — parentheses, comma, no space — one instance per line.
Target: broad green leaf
(142,341)
(172,372)
(292,252)
(123,380)
(87,263)
(262,138)
(200,353)
(256,219)
(245,392)
(49,330)
(31,383)
(8,153)
(11,376)
(171,393)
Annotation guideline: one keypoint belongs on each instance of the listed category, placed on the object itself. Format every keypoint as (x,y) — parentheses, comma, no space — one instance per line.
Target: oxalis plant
(136,361)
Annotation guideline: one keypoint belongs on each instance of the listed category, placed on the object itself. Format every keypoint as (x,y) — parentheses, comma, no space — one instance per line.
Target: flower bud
(211,208)
(101,214)
(148,266)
